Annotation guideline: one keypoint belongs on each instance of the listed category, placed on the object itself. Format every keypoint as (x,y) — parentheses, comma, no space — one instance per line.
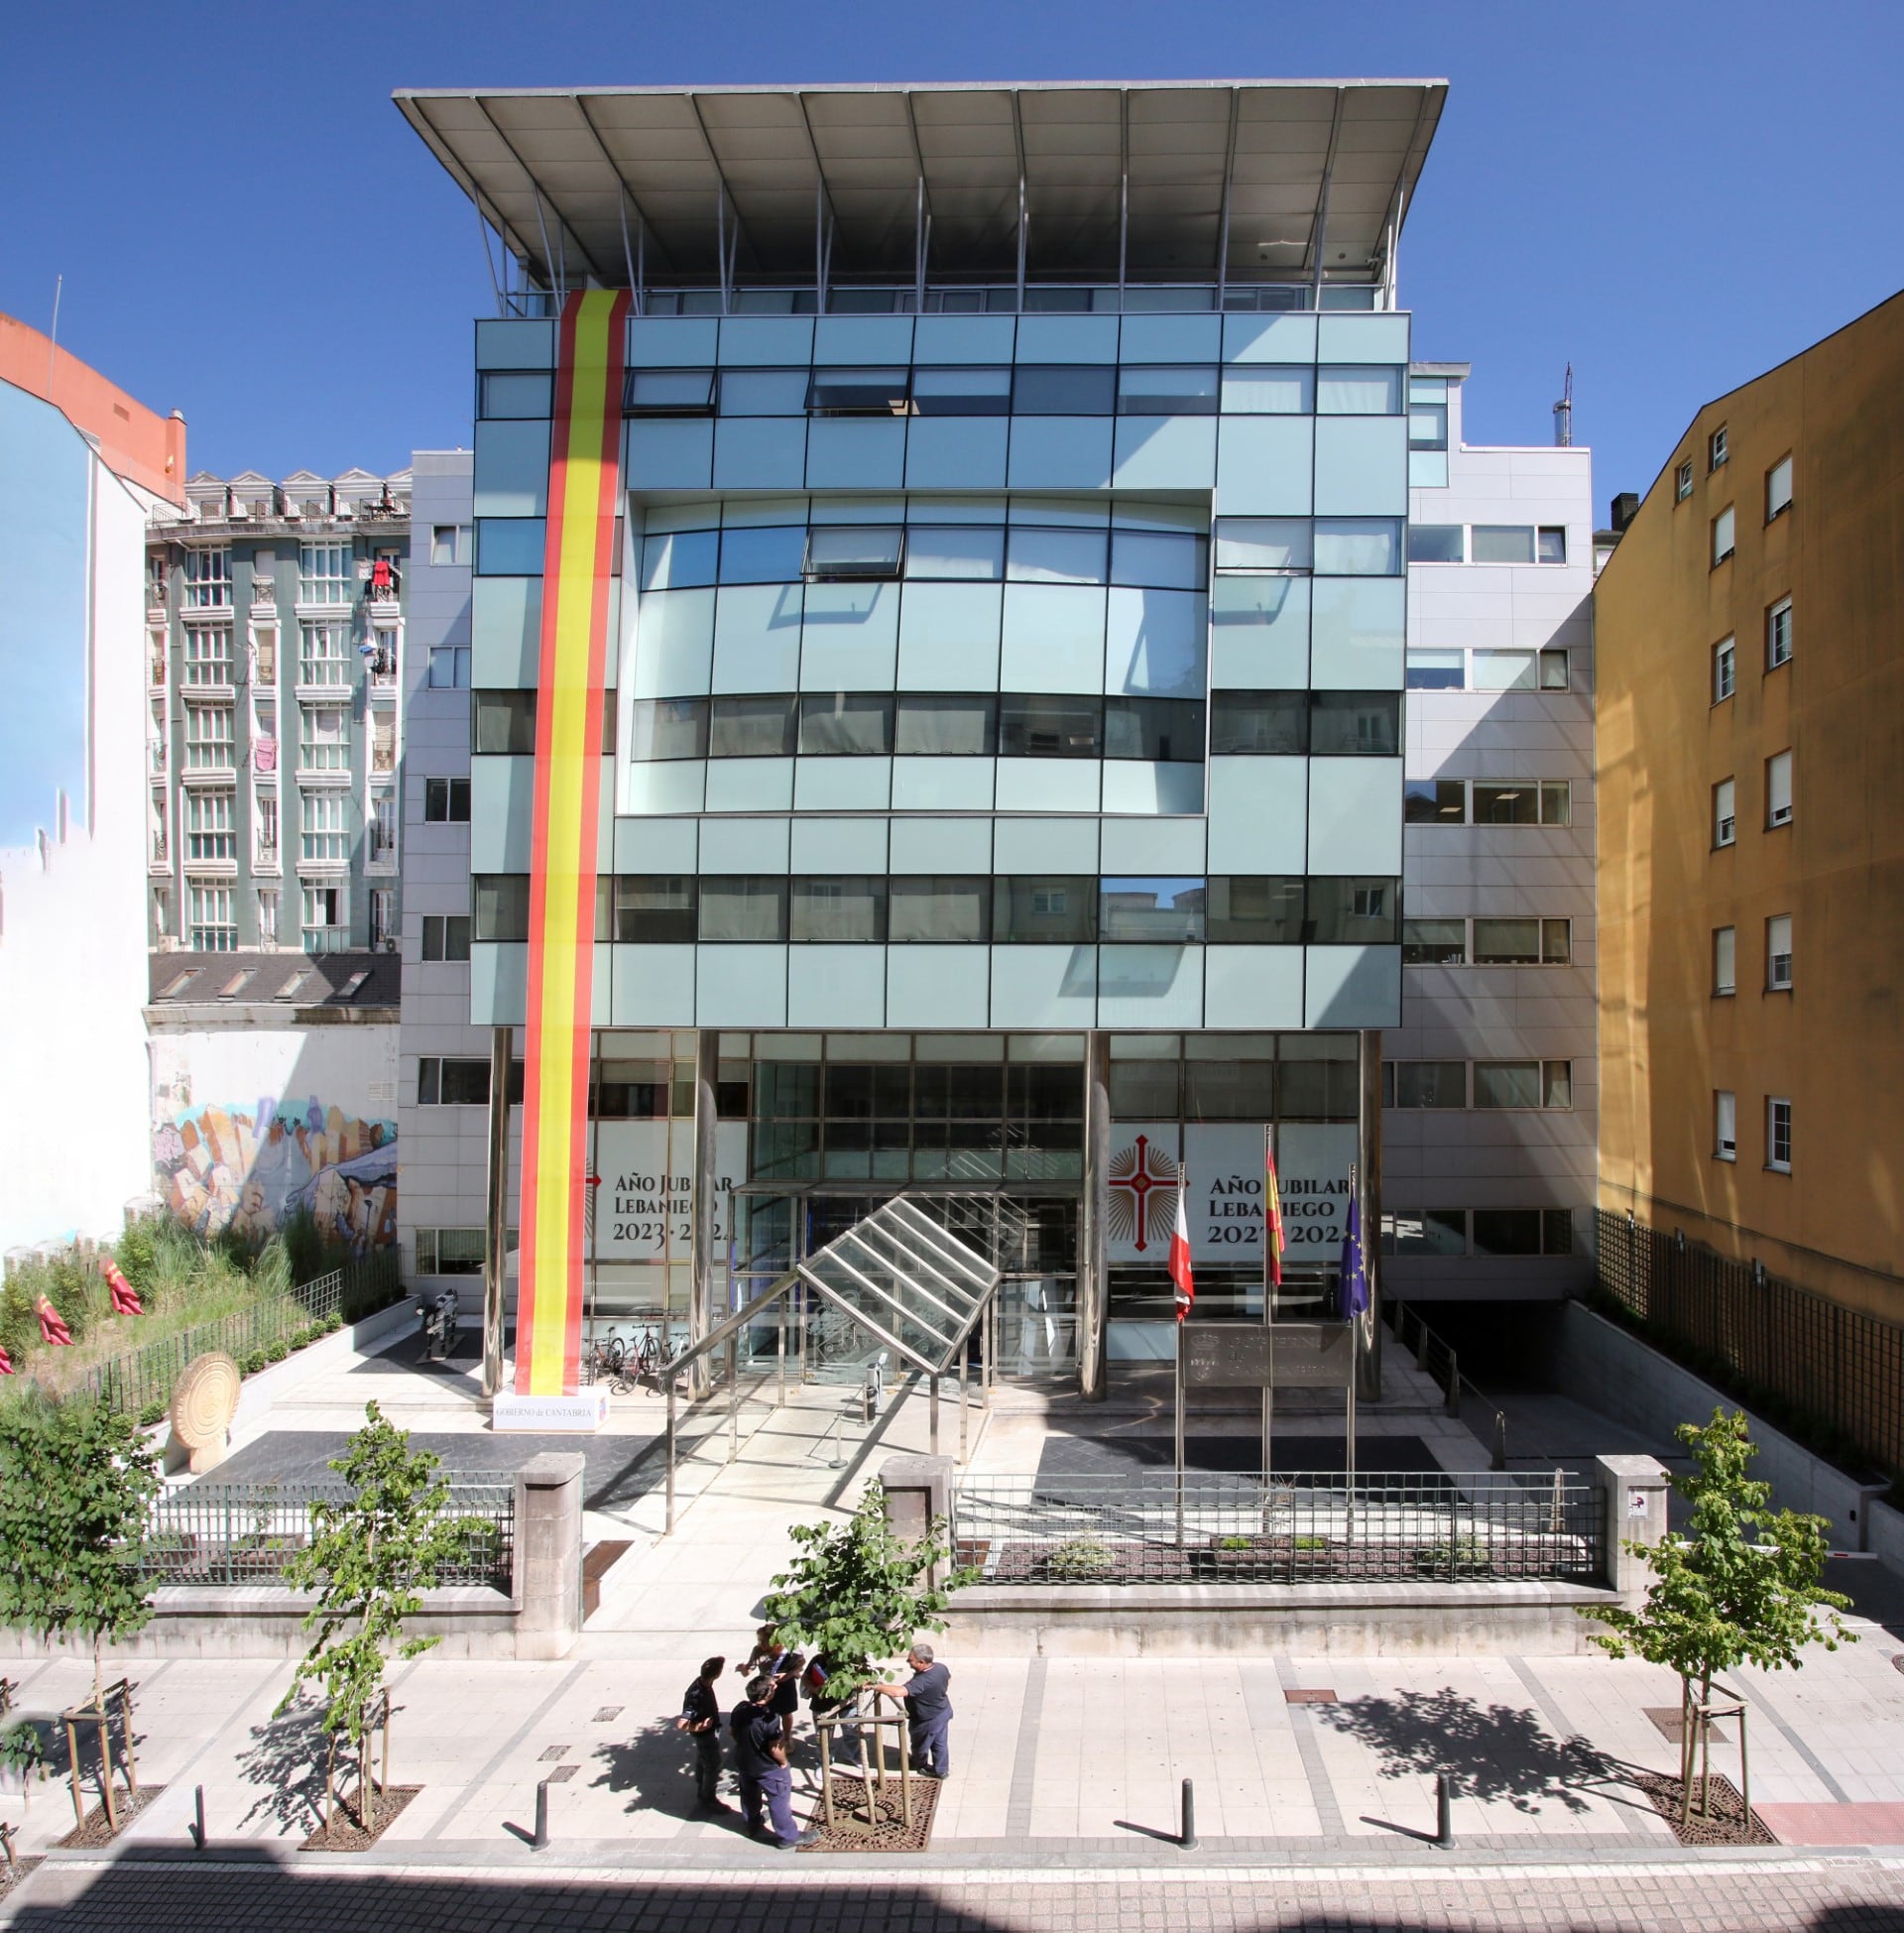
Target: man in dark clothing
(928,1711)
(761,1758)
(701,1719)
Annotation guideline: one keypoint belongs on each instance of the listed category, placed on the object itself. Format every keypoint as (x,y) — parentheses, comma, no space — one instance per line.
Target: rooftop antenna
(1564,413)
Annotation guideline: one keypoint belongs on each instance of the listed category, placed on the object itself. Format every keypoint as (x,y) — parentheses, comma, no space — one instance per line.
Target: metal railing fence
(226,1535)
(144,1378)
(1290,1528)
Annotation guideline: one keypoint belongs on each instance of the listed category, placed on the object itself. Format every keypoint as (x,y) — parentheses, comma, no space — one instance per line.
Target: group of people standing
(762,1728)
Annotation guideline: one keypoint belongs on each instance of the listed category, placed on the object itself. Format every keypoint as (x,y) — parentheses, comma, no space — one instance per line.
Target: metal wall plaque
(1314,1355)
(1226,1356)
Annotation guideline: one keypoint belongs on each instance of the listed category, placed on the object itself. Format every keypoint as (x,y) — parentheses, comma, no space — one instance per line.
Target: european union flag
(1354,1264)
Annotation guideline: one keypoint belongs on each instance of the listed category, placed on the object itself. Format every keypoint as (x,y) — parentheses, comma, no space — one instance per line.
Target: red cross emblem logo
(1142,1203)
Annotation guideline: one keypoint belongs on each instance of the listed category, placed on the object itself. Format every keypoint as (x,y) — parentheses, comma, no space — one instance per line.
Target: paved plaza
(1314,1776)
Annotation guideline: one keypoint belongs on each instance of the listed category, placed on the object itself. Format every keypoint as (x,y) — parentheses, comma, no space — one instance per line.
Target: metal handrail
(1426,1347)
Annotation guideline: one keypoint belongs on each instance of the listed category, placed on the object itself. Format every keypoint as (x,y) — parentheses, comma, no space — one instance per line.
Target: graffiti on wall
(251,1169)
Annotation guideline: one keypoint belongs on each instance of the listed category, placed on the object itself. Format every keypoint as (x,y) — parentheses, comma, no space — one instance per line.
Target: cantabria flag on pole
(1180,1252)
(1271,1213)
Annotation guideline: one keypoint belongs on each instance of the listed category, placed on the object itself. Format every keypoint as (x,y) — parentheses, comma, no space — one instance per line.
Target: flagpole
(1268,1296)
(1349,1495)
(1183,1311)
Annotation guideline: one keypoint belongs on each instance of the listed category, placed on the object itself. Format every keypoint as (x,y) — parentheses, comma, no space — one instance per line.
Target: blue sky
(1673,199)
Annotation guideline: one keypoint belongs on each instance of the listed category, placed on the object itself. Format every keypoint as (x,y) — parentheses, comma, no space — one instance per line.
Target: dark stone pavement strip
(1025,1761)
(1302,1724)
(137,1897)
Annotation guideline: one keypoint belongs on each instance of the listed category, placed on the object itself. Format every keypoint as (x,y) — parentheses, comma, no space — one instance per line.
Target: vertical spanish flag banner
(578,564)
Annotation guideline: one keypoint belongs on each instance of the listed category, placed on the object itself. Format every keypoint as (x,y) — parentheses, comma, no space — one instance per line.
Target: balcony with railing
(327,939)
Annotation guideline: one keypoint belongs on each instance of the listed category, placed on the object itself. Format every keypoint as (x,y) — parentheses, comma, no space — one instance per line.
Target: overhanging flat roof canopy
(1179,181)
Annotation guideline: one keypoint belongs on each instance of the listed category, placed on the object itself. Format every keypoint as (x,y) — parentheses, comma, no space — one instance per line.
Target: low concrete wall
(1476,1619)
(1609,1369)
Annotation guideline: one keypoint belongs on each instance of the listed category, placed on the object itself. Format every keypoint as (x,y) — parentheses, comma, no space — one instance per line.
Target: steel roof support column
(1093,1292)
(1021,212)
(720,237)
(707,1070)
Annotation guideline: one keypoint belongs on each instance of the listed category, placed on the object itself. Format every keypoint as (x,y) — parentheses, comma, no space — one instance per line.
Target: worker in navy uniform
(761,1758)
(928,1711)
(701,1719)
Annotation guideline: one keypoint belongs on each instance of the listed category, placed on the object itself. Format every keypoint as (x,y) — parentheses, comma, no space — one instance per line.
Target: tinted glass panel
(1436,542)
(752,727)
(1167,391)
(1050,727)
(1431,1084)
(1506,1083)
(764,391)
(1437,671)
(678,559)
(846,721)
(1507,942)
(1262,543)
(847,550)
(744,906)
(1507,803)
(505,722)
(1265,911)
(766,556)
(1502,544)
(858,392)
(1035,556)
(1358,547)
(654,909)
(1057,392)
(1168,911)
(668,728)
(1434,801)
(1267,390)
(1353,912)
(1367,724)
(846,908)
(1152,728)
(939,908)
(1433,942)
(1507,1231)
(500,906)
(516,393)
(668,392)
(1159,560)
(960,392)
(951,722)
(960,551)
(1346,392)
(1270,723)
(1056,909)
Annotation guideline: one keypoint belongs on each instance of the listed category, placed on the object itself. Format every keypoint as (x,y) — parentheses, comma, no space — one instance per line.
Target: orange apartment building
(1751,875)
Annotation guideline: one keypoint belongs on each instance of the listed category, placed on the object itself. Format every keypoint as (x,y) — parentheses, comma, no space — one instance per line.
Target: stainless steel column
(1368,1171)
(1093,1296)
(496,1246)
(700,1205)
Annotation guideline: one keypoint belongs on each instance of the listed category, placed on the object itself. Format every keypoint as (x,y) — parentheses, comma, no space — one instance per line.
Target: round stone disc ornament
(203,1402)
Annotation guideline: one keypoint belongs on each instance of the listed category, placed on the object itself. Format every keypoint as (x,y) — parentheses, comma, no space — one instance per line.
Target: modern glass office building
(982,626)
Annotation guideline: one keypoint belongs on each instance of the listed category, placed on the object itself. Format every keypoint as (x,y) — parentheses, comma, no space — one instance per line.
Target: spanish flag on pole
(1180,1252)
(1271,1213)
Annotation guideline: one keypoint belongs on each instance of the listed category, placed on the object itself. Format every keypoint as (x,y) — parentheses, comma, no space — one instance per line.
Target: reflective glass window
(956,722)
(1434,801)
(1502,544)
(504,721)
(1437,671)
(743,906)
(668,392)
(837,552)
(1269,390)
(1159,560)
(679,560)
(1167,391)
(516,393)
(1042,726)
(1355,724)
(764,391)
(1358,547)
(938,907)
(654,909)
(960,553)
(1264,544)
(500,906)
(960,392)
(1053,908)
(846,722)
(847,908)
(1168,911)
(1353,912)
(1055,391)
(1342,391)
(1264,723)
(1429,1083)
(1036,555)
(1433,942)
(1264,909)
(752,726)
(1437,543)
(858,392)
(668,728)
(770,556)
(1153,728)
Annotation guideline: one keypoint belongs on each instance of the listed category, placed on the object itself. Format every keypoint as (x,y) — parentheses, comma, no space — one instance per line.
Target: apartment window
(325,746)
(1725,655)
(383,740)
(1715,451)
(450,1250)
(383,826)
(1552,670)
(213,929)
(264,652)
(1723,536)
(323,573)
(325,839)
(324,930)
(382,915)
(207,580)
(1522,943)
(449,545)
(1433,942)
(1523,1084)
(445,802)
(1725,960)
(447,1082)
(208,654)
(1725,1126)
(267,897)
(1551,544)
(445,937)
(1434,801)
(160,911)
(1501,543)
(1523,801)
(1437,543)
(208,738)
(449,667)
(1778,788)
(1725,814)
(208,833)
(324,655)
(1778,634)
(1425,1084)
(155,829)
(1778,953)
(1779,1136)
(1778,488)
(1683,481)
(516,393)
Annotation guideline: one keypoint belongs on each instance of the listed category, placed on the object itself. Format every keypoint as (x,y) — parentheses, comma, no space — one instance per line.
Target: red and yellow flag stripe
(578,564)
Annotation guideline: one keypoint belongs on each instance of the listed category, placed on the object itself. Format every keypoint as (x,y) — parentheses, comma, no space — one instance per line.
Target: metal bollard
(1187,1838)
(540,1840)
(197,1826)
(1444,1813)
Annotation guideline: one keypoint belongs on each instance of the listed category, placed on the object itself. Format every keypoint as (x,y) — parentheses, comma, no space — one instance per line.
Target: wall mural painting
(251,1169)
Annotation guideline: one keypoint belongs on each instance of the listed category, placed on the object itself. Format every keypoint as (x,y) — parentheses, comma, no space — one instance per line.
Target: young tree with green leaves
(861,1592)
(76,1491)
(370,1560)
(1739,1586)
